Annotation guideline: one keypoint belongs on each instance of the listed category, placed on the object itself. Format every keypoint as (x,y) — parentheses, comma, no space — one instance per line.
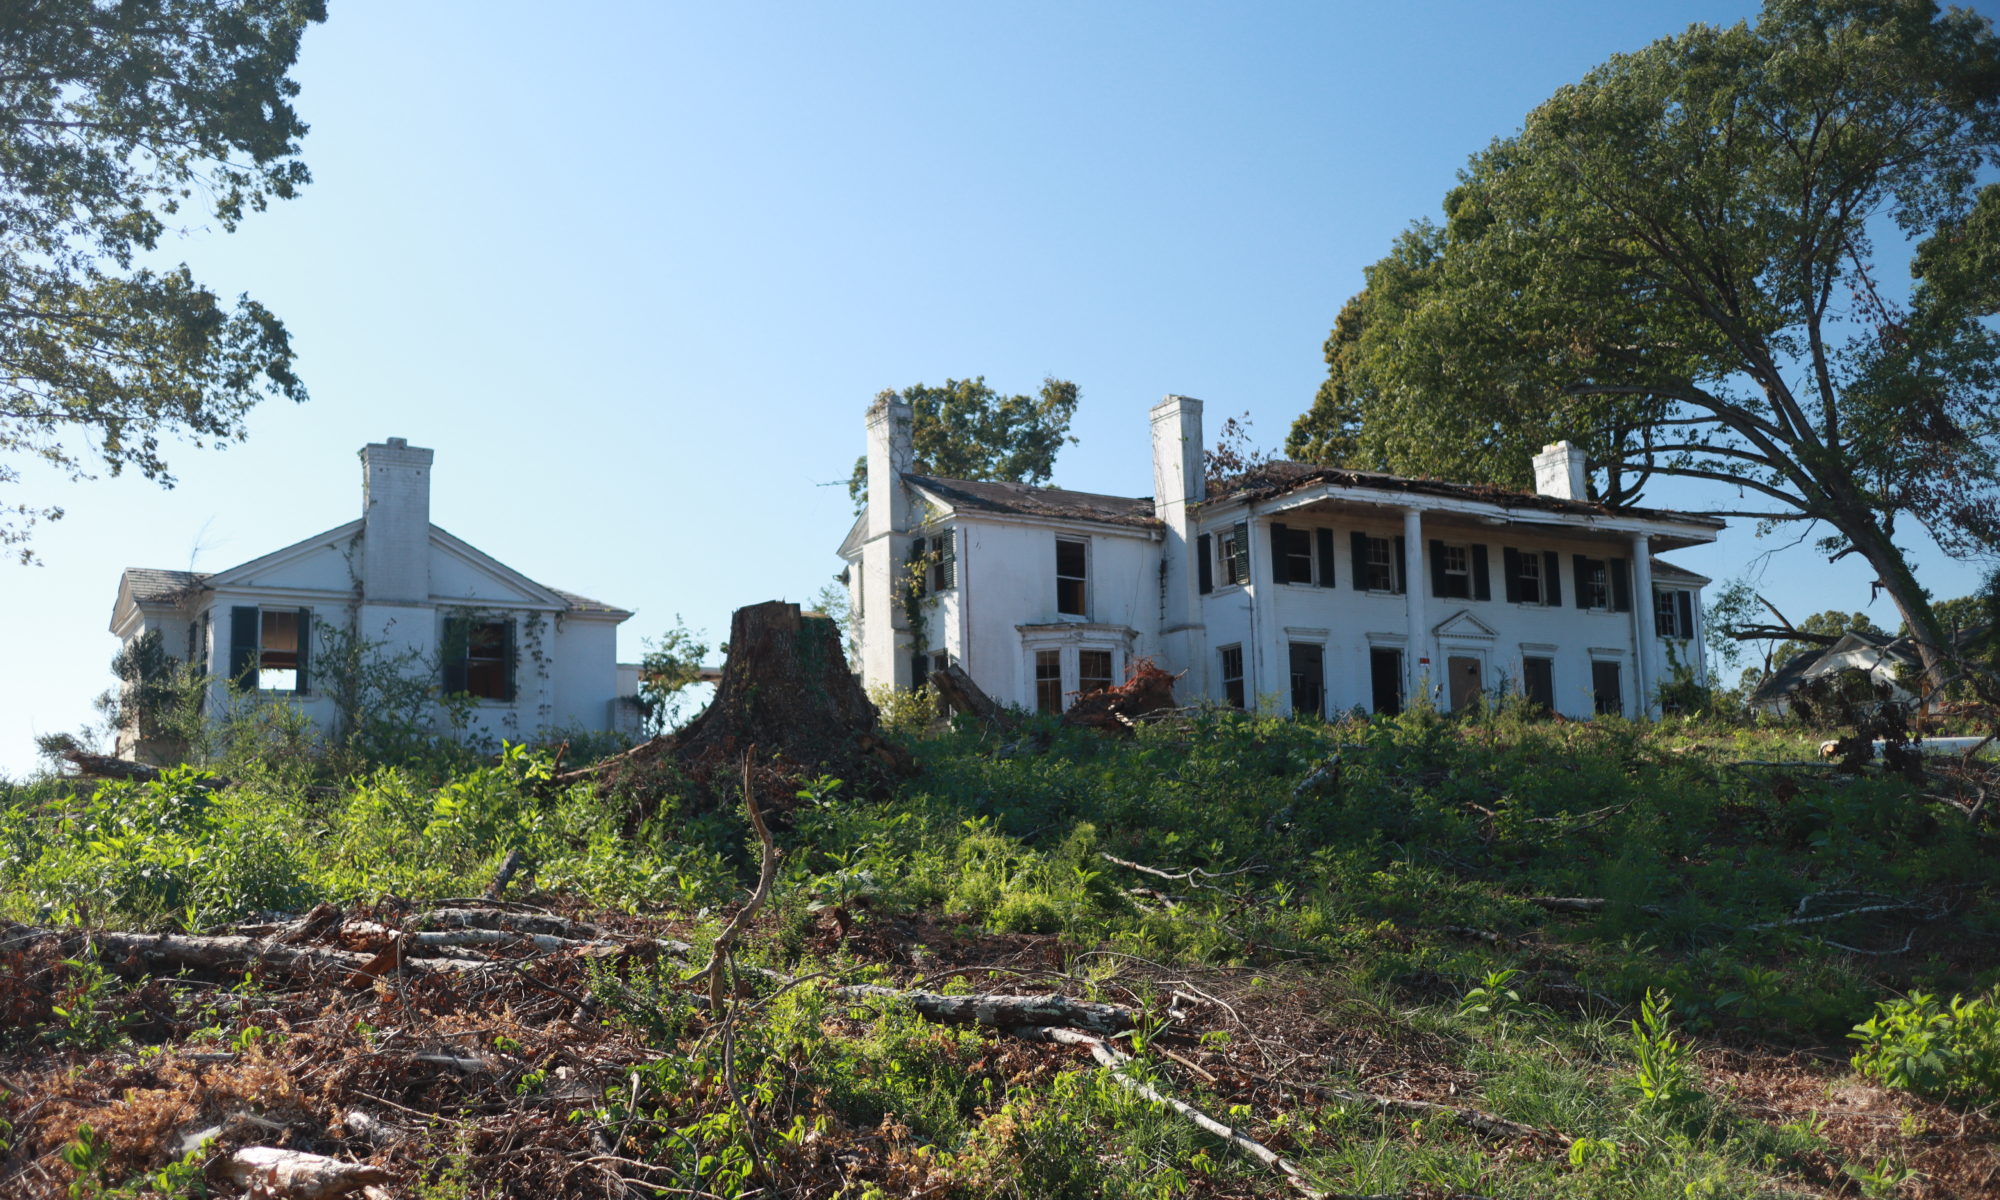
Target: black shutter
(305,650)
(1204,570)
(1552,578)
(1281,567)
(246,636)
(1582,566)
(1482,584)
(509,666)
(1621,585)
(1239,566)
(1323,542)
(1684,610)
(947,550)
(1358,543)
(1402,568)
(457,642)
(1510,567)
(1437,568)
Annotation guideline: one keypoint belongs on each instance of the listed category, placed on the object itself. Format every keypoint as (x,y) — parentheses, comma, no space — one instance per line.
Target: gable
(463,574)
(323,562)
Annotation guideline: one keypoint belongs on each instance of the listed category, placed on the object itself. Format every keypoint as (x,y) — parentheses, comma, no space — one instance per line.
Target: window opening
(1072,594)
(1381,565)
(1607,691)
(1298,555)
(1232,676)
(1385,671)
(479,658)
(1048,681)
(1093,670)
(1308,679)
(1538,682)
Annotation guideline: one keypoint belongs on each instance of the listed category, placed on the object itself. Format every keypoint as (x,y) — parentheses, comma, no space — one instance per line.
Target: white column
(1417,660)
(1645,639)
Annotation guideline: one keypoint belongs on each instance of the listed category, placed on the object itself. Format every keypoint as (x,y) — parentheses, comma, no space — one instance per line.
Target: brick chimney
(1562,471)
(396,523)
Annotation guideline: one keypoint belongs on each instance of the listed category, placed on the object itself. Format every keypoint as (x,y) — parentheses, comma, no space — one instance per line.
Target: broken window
(1232,676)
(933,563)
(1232,553)
(1673,612)
(1093,671)
(1072,581)
(1607,690)
(1538,682)
(270,648)
(1385,679)
(479,658)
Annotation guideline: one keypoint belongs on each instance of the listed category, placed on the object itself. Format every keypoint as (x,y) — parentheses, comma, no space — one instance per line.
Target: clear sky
(634,270)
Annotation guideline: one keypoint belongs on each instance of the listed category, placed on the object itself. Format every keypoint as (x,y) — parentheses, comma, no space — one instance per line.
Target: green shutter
(947,550)
(1437,568)
(246,639)
(1582,566)
(1357,544)
(305,650)
(1684,611)
(457,643)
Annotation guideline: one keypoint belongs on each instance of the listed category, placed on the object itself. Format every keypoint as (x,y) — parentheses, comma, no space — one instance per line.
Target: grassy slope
(1367,886)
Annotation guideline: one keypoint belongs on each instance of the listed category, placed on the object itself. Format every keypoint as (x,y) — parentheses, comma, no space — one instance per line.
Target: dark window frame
(490,674)
(1073,589)
(1234,692)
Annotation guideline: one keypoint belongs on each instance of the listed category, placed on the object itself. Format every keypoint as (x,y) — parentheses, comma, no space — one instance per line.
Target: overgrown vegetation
(1635,951)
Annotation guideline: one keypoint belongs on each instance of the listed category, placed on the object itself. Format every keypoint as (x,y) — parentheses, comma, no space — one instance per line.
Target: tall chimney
(1178,477)
(885,648)
(1562,471)
(890,453)
(396,522)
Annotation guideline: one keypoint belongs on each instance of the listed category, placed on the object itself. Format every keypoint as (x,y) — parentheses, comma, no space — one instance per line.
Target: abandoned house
(1294,589)
(527,659)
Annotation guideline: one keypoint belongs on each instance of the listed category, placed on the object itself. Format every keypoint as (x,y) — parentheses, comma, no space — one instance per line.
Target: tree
(966,430)
(1673,265)
(672,664)
(113,117)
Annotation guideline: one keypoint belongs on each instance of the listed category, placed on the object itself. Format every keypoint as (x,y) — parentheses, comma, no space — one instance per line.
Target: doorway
(1385,670)
(1467,680)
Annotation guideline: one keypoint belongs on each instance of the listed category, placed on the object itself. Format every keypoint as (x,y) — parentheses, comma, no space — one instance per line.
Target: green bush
(1949,1052)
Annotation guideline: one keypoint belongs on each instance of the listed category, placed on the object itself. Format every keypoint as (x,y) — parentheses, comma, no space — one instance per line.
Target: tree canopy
(966,430)
(116,122)
(1674,265)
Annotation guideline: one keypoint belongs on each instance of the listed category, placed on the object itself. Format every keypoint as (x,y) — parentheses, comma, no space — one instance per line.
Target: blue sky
(634,271)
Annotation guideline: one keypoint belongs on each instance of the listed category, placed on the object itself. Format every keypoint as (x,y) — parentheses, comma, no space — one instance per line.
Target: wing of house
(531,659)
(1295,588)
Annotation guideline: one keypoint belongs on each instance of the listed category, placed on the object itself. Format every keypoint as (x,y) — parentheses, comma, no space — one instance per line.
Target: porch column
(1417,663)
(1646,640)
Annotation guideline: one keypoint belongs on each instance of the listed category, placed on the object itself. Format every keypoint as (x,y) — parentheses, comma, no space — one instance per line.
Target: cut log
(135,954)
(1003,1012)
(961,695)
(295,1175)
(503,919)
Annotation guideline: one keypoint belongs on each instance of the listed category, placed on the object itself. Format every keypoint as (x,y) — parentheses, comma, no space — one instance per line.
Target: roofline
(1698,530)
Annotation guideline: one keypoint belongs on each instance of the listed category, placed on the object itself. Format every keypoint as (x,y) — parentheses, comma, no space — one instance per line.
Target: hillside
(1401,957)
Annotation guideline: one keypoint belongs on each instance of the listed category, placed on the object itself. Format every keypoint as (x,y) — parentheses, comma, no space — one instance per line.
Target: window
(1538,681)
(269,648)
(1673,612)
(1048,681)
(1093,670)
(1301,556)
(1533,576)
(933,563)
(1308,679)
(1232,676)
(479,657)
(1072,592)
(1606,689)
(1232,554)
(1385,671)
(1603,584)
(1378,563)
(922,665)
(1459,572)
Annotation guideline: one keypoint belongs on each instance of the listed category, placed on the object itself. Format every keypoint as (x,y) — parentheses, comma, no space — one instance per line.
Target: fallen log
(296,1175)
(104,766)
(1003,1012)
(961,695)
(503,919)
(136,954)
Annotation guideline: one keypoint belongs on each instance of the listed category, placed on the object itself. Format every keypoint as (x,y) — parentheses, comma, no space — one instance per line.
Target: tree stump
(787,695)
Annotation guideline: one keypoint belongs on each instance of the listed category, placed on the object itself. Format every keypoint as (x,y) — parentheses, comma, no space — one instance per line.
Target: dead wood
(506,920)
(961,695)
(767,873)
(1003,1012)
(295,1175)
(1147,690)
(135,954)
(512,863)
(104,766)
(1585,904)
(1116,1061)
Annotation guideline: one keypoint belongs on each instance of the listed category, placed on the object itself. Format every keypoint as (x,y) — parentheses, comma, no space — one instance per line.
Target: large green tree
(966,430)
(1674,264)
(120,120)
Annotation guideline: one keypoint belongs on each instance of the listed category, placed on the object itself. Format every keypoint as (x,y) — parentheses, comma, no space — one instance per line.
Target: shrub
(1947,1052)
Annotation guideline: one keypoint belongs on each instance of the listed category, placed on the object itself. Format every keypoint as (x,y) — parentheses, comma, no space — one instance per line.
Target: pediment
(1464,625)
(320,563)
(464,574)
